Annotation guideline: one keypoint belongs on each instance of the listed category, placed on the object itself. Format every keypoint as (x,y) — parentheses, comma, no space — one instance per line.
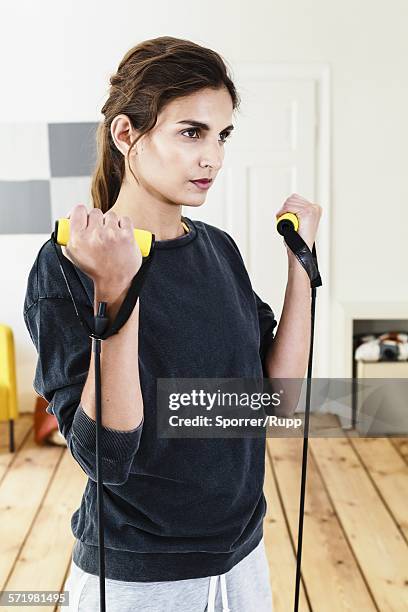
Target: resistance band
(287,226)
(100,331)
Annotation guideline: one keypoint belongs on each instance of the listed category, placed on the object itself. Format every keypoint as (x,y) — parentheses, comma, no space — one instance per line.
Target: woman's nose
(213,157)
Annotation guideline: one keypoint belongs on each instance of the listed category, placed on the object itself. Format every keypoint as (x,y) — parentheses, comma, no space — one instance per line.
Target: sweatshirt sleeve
(64,353)
(267,324)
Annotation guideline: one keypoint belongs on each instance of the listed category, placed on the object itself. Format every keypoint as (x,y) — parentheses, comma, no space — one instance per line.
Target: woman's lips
(202,184)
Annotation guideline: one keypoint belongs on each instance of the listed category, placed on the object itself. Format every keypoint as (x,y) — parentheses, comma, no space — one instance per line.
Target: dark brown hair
(150,75)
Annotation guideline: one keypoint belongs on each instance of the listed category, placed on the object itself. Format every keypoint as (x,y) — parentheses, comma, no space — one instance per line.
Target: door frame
(321,74)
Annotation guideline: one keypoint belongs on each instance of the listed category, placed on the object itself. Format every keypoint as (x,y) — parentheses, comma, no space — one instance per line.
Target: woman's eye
(225,134)
(191,130)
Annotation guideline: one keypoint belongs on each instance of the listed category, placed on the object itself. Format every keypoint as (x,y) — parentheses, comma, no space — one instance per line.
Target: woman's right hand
(103,246)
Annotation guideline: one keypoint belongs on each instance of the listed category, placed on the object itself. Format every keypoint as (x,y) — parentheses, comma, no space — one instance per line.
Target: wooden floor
(355,553)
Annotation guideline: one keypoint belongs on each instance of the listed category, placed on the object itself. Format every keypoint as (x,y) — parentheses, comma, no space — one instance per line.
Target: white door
(272,153)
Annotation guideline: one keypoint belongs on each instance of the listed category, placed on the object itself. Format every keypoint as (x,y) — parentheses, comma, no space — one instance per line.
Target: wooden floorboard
(355,552)
(279,547)
(39,491)
(401,445)
(376,541)
(388,473)
(330,572)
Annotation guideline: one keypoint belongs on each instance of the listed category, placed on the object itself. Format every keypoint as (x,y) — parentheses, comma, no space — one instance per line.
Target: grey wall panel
(72,148)
(25,207)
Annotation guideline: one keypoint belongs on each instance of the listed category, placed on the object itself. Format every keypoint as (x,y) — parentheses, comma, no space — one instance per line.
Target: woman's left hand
(308,214)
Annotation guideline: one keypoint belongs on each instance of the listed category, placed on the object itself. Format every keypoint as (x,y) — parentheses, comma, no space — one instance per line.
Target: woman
(179,513)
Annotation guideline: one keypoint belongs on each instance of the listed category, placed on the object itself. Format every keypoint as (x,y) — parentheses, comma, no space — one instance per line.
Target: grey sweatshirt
(173,508)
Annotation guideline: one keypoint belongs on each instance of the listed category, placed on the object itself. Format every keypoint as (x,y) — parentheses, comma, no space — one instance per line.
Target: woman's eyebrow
(204,126)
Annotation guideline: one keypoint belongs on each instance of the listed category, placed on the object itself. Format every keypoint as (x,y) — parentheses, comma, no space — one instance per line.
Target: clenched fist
(308,214)
(103,246)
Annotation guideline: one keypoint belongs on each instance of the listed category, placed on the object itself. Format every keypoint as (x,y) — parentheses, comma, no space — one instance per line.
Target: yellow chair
(8,383)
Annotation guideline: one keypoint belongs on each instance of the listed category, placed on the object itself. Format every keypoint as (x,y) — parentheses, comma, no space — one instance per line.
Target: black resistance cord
(287,225)
(101,331)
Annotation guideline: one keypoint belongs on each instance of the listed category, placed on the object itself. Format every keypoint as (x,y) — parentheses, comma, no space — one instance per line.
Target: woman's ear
(123,133)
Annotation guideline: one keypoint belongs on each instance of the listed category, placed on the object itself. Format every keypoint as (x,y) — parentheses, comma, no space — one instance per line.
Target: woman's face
(175,151)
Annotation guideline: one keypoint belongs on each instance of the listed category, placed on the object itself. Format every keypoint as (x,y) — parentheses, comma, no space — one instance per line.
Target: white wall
(56,59)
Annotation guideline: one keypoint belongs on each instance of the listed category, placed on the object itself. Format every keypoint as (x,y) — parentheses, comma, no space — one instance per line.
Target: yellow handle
(289,217)
(143,238)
